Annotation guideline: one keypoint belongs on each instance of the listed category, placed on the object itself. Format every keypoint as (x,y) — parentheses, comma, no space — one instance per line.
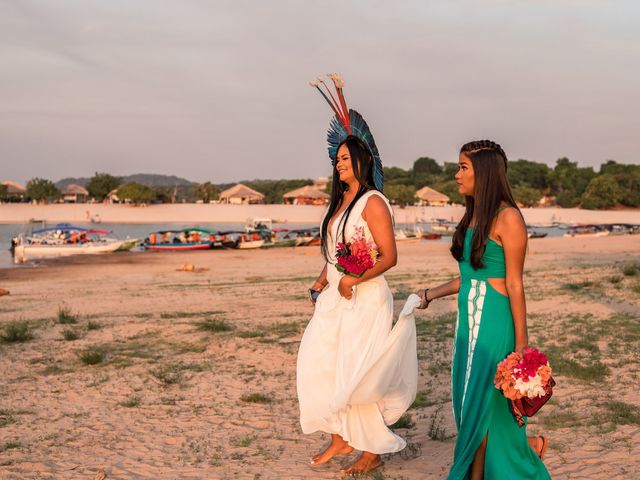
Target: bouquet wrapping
(357,255)
(525,379)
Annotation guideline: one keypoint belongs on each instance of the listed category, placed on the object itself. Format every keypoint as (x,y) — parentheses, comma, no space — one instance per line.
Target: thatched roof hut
(430,197)
(74,193)
(241,194)
(14,188)
(307,195)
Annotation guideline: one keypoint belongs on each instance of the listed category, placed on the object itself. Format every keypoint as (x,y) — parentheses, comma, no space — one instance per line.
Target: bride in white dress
(355,374)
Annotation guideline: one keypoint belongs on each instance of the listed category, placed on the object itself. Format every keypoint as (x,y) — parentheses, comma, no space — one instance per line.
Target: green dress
(485,336)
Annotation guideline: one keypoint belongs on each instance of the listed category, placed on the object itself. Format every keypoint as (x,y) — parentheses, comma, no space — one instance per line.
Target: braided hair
(491,188)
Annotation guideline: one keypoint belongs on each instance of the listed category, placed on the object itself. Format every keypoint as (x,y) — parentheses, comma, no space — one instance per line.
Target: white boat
(24,252)
(61,241)
(249,244)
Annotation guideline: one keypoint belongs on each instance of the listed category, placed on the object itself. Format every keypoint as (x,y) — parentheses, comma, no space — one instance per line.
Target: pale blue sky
(217,90)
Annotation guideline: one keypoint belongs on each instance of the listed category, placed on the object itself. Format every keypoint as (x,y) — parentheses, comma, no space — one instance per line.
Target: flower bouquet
(525,379)
(356,256)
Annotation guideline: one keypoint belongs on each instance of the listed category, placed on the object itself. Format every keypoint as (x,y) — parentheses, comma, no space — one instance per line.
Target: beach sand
(175,397)
(195,214)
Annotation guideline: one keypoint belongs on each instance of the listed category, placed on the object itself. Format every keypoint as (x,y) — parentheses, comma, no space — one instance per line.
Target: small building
(15,191)
(307,195)
(74,193)
(429,197)
(240,194)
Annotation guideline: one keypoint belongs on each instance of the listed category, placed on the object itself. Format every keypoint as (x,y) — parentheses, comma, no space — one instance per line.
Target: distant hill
(148,179)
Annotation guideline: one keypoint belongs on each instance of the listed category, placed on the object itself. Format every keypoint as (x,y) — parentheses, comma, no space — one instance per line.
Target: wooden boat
(186,239)
(431,236)
(128,244)
(536,234)
(584,231)
(62,240)
(443,226)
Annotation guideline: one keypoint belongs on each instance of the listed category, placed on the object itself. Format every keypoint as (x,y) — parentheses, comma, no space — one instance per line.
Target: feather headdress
(347,122)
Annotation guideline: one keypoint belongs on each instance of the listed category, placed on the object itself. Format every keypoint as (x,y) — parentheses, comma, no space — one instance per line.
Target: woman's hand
(346,284)
(422,293)
(521,345)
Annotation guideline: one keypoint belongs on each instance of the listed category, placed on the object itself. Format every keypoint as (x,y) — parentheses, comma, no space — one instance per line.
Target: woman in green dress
(490,244)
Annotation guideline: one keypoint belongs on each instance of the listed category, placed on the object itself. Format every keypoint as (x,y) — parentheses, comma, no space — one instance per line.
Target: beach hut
(74,193)
(15,191)
(429,197)
(307,195)
(241,195)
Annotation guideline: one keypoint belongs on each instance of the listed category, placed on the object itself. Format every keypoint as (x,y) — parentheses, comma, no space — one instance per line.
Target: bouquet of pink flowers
(356,256)
(526,381)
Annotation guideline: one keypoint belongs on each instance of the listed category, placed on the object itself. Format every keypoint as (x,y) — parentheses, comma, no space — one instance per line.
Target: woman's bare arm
(378,218)
(450,288)
(512,233)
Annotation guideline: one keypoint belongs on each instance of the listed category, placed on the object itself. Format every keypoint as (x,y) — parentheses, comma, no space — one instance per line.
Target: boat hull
(27,252)
(176,247)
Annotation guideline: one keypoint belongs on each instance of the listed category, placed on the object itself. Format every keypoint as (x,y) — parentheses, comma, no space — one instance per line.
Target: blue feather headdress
(348,122)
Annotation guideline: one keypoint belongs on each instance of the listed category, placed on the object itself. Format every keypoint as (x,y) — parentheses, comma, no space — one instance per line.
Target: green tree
(136,193)
(4,192)
(101,184)
(397,176)
(526,195)
(628,178)
(525,172)
(206,192)
(568,182)
(602,192)
(41,189)
(402,195)
(449,171)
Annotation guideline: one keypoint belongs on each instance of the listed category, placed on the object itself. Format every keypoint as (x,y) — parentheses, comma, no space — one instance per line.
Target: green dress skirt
(484,337)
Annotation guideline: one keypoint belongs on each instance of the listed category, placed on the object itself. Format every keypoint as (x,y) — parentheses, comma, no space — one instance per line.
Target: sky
(218,90)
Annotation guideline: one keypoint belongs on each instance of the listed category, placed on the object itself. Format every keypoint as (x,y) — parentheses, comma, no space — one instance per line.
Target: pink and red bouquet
(356,256)
(525,379)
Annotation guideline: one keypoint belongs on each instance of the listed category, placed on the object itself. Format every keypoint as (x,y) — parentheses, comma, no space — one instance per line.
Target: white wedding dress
(356,374)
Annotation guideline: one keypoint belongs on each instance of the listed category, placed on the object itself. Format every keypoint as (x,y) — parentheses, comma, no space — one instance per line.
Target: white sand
(199,213)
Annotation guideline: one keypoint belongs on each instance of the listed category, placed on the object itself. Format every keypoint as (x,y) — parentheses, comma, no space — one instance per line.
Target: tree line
(565,185)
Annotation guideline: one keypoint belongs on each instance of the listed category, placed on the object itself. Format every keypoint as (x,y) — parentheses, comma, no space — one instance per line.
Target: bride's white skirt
(355,374)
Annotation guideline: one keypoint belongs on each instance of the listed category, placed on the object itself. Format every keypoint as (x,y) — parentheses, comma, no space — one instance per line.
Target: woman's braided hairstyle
(491,189)
(478,145)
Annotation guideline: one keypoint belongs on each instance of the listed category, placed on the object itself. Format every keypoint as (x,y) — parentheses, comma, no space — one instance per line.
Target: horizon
(219,90)
(247,180)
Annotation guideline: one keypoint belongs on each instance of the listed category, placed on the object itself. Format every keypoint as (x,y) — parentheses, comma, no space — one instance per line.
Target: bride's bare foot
(366,463)
(337,447)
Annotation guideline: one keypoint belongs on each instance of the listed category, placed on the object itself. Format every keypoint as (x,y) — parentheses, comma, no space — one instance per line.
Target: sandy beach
(215,213)
(149,372)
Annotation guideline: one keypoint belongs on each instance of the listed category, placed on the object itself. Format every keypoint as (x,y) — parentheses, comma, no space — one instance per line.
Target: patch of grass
(594,371)
(437,431)
(10,445)
(93,355)
(556,420)
(631,270)
(250,334)
(70,335)
(621,413)
(402,292)
(256,398)
(66,316)
(91,325)
(170,374)
(405,421)
(615,279)
(576,287)
(16,332)
(206,313)
(243,442)
(440,328)
(422,400)
(130,402)
(6,418)
(214,325)
(284,330)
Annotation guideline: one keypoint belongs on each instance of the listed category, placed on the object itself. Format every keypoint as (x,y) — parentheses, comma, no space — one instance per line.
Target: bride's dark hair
(491,188)
(362,164)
